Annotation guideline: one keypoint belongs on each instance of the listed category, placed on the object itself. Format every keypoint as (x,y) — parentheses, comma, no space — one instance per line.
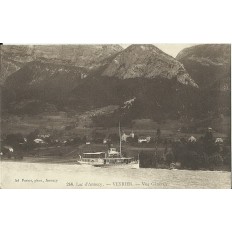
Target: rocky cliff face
(45,81)
(15,57)
(96,76)
(208,65)
(146,61)
(87,56)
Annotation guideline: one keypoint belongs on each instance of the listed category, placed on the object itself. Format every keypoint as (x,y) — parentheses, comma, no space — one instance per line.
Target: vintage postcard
(115,116)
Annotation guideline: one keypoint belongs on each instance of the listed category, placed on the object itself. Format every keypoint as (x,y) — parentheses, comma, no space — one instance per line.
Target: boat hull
(91,163)
(130,165)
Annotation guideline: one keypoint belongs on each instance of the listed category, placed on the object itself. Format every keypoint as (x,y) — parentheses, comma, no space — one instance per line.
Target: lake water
(45,175)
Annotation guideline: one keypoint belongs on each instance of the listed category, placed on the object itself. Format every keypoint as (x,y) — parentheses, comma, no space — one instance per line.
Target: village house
(192,139)
(23,141)
(8,148)
(6,151)
(219,140)
(124,136)
(106,140)
(39,141)
(144,139)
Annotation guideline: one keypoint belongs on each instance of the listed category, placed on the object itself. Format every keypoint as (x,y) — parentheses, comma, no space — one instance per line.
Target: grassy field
(79,124)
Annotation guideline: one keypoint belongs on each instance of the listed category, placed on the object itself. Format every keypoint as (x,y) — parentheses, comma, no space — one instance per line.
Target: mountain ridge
(208,64)
(146,61)
(15,57)
(161,85)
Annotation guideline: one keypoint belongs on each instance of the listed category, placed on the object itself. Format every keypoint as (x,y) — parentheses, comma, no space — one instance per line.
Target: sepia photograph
(115,115)
(108,116)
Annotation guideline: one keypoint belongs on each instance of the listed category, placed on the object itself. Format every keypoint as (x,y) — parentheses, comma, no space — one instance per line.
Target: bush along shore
(205,153)
(201,154)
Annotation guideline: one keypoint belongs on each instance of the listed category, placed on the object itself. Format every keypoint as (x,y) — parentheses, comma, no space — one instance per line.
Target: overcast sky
(171,49)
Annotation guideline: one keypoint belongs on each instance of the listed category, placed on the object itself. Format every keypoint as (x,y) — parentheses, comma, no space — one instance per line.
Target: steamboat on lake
(117,160)
(111,158)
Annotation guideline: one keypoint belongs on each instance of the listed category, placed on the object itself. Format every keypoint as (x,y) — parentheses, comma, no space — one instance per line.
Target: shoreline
(63,161)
